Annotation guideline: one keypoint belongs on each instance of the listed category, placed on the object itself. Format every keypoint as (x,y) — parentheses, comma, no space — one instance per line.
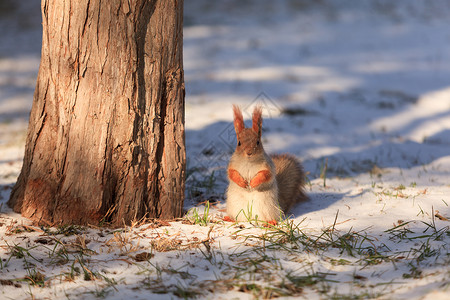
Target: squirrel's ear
(257,120)
(238,119)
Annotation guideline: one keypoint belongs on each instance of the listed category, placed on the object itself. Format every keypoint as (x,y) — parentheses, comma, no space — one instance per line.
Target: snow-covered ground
(358,90)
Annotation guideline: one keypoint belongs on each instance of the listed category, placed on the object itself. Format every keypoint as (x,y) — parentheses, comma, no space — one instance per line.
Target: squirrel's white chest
(247,170)
(246,205)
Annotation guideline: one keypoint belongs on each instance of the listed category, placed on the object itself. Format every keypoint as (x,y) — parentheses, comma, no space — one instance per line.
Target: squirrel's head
(248,139)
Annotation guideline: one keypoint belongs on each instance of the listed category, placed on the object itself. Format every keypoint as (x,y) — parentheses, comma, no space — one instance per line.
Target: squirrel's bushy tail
(291,181)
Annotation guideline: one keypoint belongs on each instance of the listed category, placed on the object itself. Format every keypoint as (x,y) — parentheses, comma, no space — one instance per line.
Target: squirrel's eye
(257,142)
(239,143)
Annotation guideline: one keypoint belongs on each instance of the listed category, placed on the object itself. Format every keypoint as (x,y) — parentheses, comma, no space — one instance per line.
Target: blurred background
(20,49)
(357,85)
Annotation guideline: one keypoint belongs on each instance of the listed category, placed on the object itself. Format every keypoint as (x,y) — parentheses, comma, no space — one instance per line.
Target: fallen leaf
(44,241)
(440,217)
(10,282)
(144,256)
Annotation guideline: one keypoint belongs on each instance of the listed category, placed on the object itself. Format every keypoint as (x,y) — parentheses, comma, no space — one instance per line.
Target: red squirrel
(261,187)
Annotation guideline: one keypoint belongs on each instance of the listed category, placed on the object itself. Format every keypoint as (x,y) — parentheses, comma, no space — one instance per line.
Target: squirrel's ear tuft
(257,120)
(238,119)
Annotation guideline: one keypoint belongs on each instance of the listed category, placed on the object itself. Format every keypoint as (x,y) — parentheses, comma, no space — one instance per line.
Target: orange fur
(228,219)
(257,120)
(272,222)
(237,178)
(238,119)
(260,177)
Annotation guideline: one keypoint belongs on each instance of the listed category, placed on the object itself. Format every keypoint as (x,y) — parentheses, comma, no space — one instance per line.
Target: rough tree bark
(106,132)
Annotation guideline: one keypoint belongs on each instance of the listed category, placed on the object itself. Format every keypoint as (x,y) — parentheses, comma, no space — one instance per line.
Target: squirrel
(261,187)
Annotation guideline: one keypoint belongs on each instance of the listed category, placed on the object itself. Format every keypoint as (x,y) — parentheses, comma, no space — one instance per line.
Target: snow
(362,88)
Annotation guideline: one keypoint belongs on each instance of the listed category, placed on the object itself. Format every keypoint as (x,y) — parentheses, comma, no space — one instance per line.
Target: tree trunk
(106,134)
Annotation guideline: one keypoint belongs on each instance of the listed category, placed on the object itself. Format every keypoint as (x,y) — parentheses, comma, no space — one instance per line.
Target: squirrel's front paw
(237,178)
(260,178)
(228,219)
(271,223)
